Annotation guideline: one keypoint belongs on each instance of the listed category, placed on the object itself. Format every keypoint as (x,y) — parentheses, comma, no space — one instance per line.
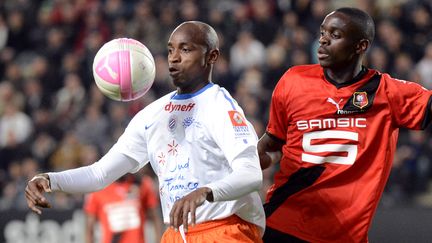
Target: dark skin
(34,193)
(190,60)
(192,52)
(341,50)
(341,47)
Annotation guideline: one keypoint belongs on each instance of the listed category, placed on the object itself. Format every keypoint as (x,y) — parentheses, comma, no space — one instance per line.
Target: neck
(192,89)
(345,74)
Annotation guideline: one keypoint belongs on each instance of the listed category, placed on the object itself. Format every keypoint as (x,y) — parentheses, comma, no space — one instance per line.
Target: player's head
(193,48)
(345,36)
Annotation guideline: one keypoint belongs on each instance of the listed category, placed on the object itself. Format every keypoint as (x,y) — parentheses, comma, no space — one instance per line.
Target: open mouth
(173,71)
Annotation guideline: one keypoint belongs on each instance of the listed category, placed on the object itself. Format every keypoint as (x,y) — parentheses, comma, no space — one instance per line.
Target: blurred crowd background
(52,117)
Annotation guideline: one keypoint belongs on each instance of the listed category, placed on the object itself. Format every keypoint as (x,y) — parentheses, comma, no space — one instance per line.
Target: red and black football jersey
(339,142)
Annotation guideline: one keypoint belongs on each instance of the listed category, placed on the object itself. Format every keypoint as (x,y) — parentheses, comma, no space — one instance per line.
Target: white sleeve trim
(94,177)
(245,178)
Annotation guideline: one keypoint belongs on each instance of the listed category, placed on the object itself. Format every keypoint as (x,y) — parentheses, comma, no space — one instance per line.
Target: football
(124,69)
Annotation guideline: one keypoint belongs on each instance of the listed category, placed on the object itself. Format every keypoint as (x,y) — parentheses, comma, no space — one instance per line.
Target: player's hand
(34,193)
(180,211)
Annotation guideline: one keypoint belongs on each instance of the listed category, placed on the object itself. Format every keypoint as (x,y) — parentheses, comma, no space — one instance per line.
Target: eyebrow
(333,28)
(181,44)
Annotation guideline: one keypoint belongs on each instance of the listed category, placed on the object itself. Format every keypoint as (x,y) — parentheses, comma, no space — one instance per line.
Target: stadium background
(53,118)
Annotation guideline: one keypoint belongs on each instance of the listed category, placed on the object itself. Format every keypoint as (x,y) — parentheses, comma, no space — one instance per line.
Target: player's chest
(324,101)
(325,107)
(176,133)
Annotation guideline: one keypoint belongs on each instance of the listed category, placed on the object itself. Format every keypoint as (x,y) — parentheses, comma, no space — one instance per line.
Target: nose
(173,56)
(323,40)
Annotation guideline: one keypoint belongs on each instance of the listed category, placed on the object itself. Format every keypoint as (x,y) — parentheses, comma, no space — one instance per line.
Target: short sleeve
(133,142)
(409,102)
(231,131)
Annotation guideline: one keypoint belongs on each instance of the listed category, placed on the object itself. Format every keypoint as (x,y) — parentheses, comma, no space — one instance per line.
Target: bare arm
(269,151)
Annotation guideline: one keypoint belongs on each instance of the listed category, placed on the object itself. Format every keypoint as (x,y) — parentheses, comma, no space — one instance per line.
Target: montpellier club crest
(172,123)
(360,99)
(236,118)
(241,129)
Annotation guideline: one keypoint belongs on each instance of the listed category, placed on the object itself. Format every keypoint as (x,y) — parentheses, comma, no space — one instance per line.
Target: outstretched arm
(81,180)
(94,177)
(269,151)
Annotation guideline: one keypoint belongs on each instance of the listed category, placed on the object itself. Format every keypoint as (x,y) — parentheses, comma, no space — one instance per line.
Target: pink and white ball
(124,69)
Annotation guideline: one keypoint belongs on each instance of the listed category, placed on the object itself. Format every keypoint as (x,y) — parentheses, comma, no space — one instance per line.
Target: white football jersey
(191,141)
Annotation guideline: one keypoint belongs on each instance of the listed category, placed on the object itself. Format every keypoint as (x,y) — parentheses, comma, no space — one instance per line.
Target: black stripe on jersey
(427,115)
(370,89)
(299,180)
(357,78)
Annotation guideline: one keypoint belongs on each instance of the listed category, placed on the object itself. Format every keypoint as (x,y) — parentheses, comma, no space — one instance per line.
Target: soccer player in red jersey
(334,128)
(122,209)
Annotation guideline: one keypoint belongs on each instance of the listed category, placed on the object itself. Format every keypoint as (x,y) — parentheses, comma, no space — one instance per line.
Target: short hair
(211,37)
(206,32)
(362,20)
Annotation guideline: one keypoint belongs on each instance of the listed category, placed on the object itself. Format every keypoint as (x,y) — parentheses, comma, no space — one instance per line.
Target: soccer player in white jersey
(199,144)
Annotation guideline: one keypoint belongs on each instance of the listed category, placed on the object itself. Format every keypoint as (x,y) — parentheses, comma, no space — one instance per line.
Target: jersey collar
(357,78)
(188,96)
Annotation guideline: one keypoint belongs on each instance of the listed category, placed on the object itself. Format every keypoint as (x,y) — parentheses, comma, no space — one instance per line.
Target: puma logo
(330,100)
(111,72)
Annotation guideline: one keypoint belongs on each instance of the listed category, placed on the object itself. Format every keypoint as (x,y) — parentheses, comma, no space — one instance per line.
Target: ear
(212,56)
(362,46)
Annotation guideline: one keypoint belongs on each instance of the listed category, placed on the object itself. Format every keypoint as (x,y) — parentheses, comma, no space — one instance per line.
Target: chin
(178,83)
(325,64)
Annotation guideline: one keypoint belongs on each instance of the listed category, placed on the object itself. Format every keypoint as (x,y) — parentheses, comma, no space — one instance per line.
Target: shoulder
(221,103)
(398,90)
(395,83)
(302,72)
(220,99)
(305,70)
(298,76)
